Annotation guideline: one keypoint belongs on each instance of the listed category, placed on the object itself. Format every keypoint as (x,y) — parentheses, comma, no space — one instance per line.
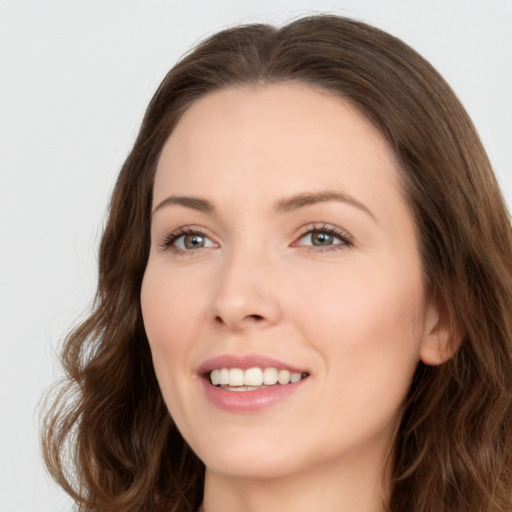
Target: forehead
(275,139)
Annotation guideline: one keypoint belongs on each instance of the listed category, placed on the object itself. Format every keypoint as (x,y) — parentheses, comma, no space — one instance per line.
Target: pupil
(194,241)
(322,238)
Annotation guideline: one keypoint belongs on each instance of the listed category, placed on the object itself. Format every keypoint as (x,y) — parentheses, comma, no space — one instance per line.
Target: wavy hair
(107,436)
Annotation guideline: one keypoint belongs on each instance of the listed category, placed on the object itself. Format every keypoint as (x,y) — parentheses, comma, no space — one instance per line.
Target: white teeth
(284,377)
(236,377)
(215,377)
(224,377)
(295,377)
(252,378)
(269,376)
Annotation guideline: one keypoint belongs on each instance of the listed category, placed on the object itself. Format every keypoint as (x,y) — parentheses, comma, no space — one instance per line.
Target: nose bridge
(245,294)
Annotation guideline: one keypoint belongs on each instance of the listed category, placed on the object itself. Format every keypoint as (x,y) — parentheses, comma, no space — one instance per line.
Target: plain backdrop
(75,78)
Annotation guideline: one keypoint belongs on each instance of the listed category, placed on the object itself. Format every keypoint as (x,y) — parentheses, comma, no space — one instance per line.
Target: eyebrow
(195,203)
(309,198)
(282,206)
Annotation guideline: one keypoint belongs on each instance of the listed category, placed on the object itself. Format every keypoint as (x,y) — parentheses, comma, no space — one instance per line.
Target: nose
(246,295)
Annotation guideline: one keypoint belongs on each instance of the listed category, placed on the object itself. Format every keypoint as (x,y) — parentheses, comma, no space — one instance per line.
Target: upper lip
(245,362)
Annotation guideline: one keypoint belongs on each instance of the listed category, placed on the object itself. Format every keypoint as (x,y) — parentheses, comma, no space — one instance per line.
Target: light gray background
(75,78)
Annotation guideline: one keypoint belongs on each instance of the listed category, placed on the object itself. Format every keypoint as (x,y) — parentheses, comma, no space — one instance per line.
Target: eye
(187,240)
(192,241)
(320,239)
(324,237)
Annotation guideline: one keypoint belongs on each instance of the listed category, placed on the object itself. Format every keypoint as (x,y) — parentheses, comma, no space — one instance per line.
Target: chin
(250,469)
(247,458)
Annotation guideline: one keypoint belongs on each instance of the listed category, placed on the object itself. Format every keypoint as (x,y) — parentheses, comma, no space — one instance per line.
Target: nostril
(256,318)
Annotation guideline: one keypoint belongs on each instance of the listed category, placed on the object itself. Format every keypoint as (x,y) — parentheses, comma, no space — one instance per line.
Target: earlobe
(441,337)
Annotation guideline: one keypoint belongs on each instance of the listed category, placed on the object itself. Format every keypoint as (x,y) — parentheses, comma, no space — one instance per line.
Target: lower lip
(249,401)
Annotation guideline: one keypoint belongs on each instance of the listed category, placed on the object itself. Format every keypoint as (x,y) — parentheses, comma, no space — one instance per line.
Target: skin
(353,313)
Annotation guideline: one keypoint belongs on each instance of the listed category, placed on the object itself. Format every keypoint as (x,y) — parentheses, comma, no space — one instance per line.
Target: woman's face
(281,248)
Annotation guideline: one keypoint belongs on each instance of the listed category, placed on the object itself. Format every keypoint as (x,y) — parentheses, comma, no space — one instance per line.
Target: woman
(304,292)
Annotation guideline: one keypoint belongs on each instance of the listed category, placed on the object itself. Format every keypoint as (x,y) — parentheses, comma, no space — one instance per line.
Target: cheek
(169,308)
(368,325)
(171,314)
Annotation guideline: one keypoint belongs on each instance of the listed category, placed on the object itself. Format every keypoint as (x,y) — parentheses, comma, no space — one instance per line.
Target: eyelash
(346,240)
(169,241)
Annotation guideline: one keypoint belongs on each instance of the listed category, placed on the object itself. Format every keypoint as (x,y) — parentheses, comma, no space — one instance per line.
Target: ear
(441,337)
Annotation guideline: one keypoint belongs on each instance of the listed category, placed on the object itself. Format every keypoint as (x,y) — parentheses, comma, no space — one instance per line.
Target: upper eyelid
(170,237)
(189,229)
(342,233)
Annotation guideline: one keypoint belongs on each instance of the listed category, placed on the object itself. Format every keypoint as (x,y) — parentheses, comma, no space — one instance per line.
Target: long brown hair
(108,438)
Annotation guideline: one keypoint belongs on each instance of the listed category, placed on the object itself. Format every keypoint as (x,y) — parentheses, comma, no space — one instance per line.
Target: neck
(355,487)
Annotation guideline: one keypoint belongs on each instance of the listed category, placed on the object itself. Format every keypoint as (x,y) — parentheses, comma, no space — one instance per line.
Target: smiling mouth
(253,379)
